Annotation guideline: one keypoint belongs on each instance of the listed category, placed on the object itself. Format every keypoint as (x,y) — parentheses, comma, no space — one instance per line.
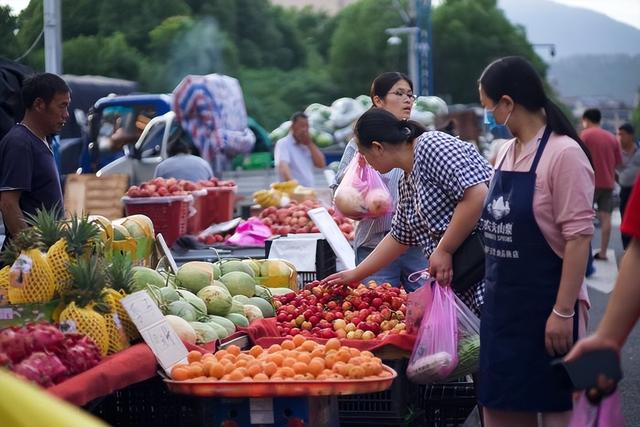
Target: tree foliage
(8,24)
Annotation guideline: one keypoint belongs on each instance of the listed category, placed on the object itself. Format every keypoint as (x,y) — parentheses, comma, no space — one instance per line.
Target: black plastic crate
(149,403)
(325,262)
(447,405)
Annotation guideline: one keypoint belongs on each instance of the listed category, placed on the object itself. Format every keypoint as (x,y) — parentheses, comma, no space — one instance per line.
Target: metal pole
(412,52)
(52,37)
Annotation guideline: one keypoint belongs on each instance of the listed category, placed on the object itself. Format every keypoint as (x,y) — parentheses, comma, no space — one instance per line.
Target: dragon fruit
(14,344)
(4,360)
(43,336)
(78,354)
(42,368)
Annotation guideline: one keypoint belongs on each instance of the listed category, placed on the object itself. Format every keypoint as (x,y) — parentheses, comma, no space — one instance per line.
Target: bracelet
(563,316)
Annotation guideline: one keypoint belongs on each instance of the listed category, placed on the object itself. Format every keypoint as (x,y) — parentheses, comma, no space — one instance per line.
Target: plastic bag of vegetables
(468,341)
(362,193)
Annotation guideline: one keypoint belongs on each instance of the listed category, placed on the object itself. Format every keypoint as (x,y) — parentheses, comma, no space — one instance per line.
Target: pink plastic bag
(435,354)
(607,414)
(418,306)
(362,193)
(252,232)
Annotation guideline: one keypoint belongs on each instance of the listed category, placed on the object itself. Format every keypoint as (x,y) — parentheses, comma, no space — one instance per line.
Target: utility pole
(52,37)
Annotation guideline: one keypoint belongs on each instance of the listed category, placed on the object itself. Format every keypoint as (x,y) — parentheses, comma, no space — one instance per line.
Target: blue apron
(522,279)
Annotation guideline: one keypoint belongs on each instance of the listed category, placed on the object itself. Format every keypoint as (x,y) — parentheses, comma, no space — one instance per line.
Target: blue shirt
(27,165)
(184,166)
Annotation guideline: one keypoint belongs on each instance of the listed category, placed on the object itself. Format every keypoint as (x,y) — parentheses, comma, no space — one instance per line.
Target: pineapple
(85,306)
(120,278)
(4,285)
(36,286)
(50,233)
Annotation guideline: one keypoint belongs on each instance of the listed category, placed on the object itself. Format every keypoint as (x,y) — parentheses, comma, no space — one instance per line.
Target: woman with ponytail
(537,226)
(442,192)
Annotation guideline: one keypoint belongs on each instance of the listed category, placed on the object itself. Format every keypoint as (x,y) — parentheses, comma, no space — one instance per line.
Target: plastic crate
(196,222)
(447,405)
(169,214)
(325,262)
(218,205)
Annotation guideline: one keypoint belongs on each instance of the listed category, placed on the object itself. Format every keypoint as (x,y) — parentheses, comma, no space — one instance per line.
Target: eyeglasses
(403,94)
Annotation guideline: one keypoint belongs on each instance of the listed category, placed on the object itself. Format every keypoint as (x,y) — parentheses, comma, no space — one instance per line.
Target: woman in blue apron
(536,250)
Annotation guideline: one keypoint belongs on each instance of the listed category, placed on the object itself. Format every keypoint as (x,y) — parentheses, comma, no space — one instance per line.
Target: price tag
(155,330)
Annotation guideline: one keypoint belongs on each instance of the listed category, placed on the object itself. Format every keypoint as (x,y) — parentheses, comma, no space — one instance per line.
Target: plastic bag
(252,232)
(448,342)
(362,193)
(607,414)
(418,306)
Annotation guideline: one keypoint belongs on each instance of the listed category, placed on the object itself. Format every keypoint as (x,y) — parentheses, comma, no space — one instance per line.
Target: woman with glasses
(441,194)
(392,91)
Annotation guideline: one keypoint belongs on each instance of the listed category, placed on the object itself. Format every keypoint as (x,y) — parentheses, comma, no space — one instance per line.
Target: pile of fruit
(161,187)
(211,239)
(294,359)
(366,312)
(208,301)
(294,219)
(41,353)
(282,193)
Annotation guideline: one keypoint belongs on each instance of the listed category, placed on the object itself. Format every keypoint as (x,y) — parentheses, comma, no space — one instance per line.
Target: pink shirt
(605,154)
(563,197)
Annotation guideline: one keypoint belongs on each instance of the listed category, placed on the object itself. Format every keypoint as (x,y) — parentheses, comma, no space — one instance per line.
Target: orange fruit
(366,353)
(230,357)
(316,366)
(220,354)
(229,367)
(207,357)
(253,369)
(321,377)
(299,377)
(371,369)
(237,374)
(357,360)
(256,351)
(195,370)
(356,372)
(287,372)
(276,358)
(270,368)
(244,356)
(180,373)
(289,361)
(330,359)
(274,348)
(308,346)
(341,368)
(343,355)
(304,358)
(317,352)
(288,345)
(298,340)
(332,344)
(327,372)
(260,377)
(194,356)
(354,351)
(300,368)
(233,349)
(241,363)
(216,370)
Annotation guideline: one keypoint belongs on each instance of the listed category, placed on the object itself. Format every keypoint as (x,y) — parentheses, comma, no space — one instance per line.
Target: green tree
(8,24)
(359,49)
(110,56)
(467,36)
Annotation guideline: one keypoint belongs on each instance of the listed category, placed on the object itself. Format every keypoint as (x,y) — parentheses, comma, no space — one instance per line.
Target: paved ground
(604,278)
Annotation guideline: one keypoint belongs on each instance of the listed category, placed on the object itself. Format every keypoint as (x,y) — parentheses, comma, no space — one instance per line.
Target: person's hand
(591,343)
(558,335)
(347,277)
(441,266)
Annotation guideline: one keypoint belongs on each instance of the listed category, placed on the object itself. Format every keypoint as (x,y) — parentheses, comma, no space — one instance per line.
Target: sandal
(598,257)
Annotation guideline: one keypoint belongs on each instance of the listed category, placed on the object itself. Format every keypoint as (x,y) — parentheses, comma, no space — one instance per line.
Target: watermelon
(239,283)
(217,299)
(238,319)
(265,307)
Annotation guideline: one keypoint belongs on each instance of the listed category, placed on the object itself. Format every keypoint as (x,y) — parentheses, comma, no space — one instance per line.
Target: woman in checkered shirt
(442,193)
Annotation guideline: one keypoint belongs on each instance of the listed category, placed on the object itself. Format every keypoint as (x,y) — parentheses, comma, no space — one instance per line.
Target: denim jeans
(397,273)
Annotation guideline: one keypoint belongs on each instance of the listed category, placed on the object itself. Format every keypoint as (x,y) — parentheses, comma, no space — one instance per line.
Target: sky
(627,11)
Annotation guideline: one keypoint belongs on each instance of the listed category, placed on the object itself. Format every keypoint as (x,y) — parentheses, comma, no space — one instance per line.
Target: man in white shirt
(296,155)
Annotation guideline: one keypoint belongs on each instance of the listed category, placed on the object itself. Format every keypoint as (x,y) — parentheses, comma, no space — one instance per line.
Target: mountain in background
(595,56)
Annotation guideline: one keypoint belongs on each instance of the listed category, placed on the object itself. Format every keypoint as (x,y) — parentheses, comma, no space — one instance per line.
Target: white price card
(155,330)
(337,241)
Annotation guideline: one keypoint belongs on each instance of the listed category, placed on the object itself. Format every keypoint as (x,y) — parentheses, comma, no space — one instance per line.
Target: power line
(33,45)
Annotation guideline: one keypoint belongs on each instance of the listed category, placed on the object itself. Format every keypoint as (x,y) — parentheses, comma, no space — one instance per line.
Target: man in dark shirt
(28,175)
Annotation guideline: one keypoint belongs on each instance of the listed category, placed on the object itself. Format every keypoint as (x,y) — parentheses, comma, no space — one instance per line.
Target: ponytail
(377,124)
(558,123)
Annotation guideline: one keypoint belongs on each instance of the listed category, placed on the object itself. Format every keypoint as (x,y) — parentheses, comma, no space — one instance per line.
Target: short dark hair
(179,146)
(44,86)
(627,128)
(384,82)
(298,115)
(593,115)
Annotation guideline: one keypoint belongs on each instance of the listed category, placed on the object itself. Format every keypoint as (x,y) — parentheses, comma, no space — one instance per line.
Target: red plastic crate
(218,205)
(169,214)
(196,222)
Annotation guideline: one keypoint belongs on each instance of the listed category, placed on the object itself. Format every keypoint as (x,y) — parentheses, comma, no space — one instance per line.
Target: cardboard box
(95,195)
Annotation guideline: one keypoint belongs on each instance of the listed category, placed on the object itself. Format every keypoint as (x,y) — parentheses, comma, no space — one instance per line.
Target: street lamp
(395,40)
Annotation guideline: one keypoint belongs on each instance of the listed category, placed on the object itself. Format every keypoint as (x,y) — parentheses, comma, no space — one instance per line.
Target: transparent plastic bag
(607,414)
(448,342)
(418,305)
(435,354)
(362,193)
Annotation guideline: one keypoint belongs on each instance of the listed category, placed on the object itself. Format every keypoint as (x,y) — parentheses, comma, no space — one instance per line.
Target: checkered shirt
(443,168)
